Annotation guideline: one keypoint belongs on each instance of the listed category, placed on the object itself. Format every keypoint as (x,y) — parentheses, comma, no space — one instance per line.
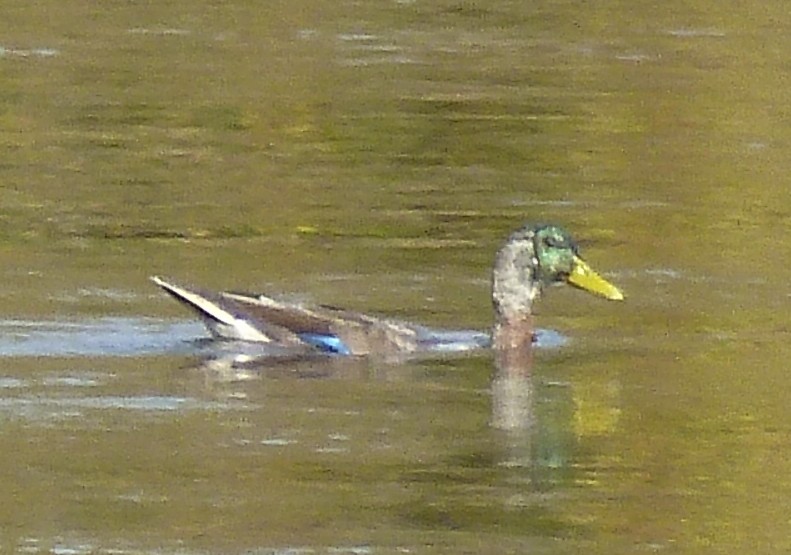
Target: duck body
(313,329)
(532,257)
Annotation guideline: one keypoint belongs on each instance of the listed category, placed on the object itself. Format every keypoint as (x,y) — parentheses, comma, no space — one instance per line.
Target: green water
(374,155)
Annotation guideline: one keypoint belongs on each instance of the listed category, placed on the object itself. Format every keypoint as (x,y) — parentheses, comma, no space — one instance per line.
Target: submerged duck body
(263,319)
(531,258)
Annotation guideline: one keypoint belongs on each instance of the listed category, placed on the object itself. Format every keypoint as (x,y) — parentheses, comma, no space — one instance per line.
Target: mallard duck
(532,257)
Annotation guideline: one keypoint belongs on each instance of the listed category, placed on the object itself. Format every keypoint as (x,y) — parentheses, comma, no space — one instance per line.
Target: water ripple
(98,337)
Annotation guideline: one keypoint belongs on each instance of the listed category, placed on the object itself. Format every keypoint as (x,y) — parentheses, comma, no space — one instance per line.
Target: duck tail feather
(217,314)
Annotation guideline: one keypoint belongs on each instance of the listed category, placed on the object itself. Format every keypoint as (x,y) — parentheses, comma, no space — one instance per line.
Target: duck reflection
(263,331)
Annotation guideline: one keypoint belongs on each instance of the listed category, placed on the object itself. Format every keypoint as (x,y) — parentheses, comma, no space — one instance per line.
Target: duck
(532,258)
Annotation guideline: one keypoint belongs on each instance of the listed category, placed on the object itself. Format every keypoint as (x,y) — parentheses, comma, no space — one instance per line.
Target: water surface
(374,156)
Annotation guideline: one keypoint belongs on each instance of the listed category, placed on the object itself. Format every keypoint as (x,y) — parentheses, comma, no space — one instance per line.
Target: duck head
(533,257)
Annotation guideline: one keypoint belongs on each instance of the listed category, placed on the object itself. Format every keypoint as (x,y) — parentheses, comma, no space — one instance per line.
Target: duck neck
(514,289)
(515,286)
(513,343)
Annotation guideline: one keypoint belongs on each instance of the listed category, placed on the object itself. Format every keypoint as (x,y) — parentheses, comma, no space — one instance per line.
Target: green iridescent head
(555,252)
(538,255)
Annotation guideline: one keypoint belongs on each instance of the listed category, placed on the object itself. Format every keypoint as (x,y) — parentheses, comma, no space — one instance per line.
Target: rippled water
(101,337)
(374,156)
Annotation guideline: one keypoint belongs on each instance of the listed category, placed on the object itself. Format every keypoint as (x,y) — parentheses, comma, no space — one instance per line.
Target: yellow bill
(584,277)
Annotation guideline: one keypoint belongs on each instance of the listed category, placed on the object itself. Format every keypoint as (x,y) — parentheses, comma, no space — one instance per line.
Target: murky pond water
(373,155)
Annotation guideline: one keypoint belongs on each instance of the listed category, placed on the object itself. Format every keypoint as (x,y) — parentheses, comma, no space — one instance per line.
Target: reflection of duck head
(533,257)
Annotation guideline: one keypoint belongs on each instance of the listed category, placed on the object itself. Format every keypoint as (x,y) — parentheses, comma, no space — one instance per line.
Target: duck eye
(554,242)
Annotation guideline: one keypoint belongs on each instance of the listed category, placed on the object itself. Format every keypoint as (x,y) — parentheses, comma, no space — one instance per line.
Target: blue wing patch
(326,343)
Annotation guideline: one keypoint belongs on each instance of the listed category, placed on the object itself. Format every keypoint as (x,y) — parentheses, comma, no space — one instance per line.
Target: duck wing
(226,319)
(260,318)
(330,328)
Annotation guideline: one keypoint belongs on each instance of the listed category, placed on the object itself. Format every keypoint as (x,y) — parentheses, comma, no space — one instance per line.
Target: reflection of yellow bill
(584,277)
